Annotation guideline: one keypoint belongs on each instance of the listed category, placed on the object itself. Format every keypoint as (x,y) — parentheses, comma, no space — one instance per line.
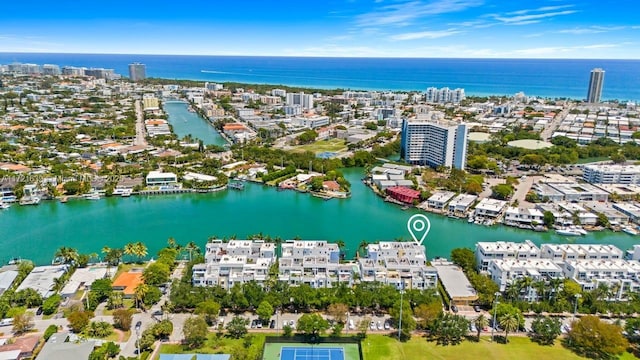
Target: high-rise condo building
(595,86)
(137,71)
(434,143)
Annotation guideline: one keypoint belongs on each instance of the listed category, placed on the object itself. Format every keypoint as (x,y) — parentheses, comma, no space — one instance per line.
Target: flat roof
(454,281)
(129,281)
(6,279)
(41,279)
(530,144)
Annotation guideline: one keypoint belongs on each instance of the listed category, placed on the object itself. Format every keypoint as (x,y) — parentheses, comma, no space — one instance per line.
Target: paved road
(553,125)
(140,130)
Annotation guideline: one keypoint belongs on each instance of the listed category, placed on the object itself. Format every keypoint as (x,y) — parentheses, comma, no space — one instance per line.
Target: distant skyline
(351,28)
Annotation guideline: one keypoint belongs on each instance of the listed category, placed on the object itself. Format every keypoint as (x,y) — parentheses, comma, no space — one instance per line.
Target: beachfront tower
(595,86)
(434,143)
(137,71)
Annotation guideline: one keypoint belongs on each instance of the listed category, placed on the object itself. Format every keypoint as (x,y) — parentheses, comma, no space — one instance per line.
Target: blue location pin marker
(419,224)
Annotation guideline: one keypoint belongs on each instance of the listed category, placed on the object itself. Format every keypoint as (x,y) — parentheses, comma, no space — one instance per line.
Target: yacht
(631,231)
(4,205)
(579,229)
(568,232)
(93,196)
(30,200)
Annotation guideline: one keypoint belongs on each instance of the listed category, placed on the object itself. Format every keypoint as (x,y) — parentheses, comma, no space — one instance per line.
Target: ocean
(550,78)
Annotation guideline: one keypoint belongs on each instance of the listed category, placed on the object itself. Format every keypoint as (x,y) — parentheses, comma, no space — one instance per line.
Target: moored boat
(568,232)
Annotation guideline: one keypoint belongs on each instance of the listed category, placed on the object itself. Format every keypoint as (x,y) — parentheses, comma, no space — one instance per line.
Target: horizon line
(317,56)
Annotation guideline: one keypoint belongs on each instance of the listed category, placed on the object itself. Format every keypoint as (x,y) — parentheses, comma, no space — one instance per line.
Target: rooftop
(128,281)
(455,282)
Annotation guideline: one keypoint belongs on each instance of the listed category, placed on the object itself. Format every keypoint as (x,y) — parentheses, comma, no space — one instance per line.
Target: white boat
(568,232)
(630,230)
(92,196)
(4,206)
(579,229)
(30,200)
(126,193)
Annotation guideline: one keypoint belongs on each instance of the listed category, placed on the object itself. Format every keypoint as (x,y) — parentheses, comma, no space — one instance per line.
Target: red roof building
(403,194)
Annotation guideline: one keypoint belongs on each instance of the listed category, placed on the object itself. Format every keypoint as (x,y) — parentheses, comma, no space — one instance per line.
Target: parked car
(272,324)
(138,325)
(372,325)
(292,324)
(387,325)
(379,325)
(39,311)
(454,308)
(351,324)
(476,308)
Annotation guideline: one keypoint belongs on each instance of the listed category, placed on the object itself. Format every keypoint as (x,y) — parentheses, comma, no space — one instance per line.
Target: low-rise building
(523,216)
(59,347)
(439,200)
(611,174)
(461,204)
(620,276)
(399,264)
(560,253)
(82,278)
(455,283)
(127,282)
(505,271)
(157,178)
(315,263)
(234,262)
(630,210)
(42,279)
(501,250)
(403,194)
(490,208)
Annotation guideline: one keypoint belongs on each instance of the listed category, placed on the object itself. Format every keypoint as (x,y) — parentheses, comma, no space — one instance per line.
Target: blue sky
(371,28)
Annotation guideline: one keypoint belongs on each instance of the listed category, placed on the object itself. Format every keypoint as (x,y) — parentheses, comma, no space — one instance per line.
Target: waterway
(36,232)
(186,123)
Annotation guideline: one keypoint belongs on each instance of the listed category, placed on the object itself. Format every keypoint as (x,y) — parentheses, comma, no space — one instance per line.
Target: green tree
(195,331)
(264,311)
(78,320)
(545,330)
(312,324)
(501,191)
(156,273)
(50,305)
(480,323)
(99,329)
(427,313)
(122,319)
(510,323)
(51,329)
(603,220)
(338,311)
(594,338)
(209,309)
(465,258)
(449,329)
(549,219)
(237,327)
(22,323)
(408,321)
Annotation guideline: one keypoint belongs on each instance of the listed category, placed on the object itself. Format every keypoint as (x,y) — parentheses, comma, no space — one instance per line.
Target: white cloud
(402,14)
(529,18)
(590,30)
(425,35)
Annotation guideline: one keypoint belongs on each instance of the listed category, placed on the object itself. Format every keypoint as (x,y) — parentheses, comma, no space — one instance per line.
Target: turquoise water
(36,232)
(189,123)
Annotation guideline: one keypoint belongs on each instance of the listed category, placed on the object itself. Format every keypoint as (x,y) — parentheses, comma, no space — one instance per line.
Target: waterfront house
(439,200)
(157,178)
(461,204)
(490,208)
(402,265)
(565,252)
(60,347)
(620,276)
(315,263)
(403,194)
(505,272)
(127,282)
(523,216)
(7,278)
(42,279)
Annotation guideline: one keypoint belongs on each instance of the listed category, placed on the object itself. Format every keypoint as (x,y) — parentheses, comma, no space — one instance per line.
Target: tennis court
(302,351)
(306,353)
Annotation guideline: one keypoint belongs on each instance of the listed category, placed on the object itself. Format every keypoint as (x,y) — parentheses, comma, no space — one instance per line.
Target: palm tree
(140,250)
(341,246)
(509,323)
(525,283)
(171,242)
(66,254)
(192,247)
(140,292)
(480,322)
(512,290)
(362,248)
(540,287)
(555,285)
(130,249)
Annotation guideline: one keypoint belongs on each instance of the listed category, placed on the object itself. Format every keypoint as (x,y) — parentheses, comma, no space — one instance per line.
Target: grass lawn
(332,145)
(376,347)
(212,346)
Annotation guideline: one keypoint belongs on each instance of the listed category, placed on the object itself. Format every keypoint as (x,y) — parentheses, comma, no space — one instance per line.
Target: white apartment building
(505,272)
(157,178)
(504,250)
(490,208)
(315,263)
(434,143)
(517,216)
(569,191)
(302,99)
(234,262)
(440,199)
(621,276)
(560,253)
(444,95)
(611,174)
(461,204)
(630,210)
(399,264)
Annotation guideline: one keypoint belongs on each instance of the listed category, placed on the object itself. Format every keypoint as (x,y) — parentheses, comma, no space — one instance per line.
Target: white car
(379,325)
(372,325)
(351,324)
